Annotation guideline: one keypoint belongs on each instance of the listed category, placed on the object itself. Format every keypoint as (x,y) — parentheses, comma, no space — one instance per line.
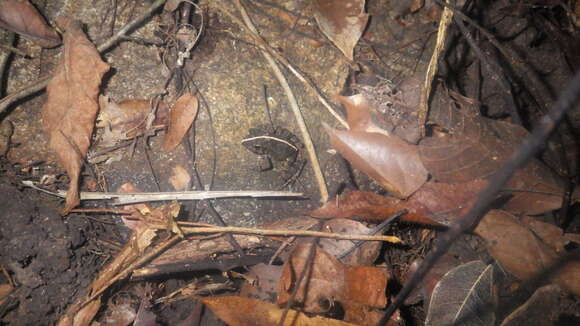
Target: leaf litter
(431,184)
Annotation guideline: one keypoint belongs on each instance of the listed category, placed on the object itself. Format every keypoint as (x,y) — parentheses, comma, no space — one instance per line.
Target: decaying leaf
(71,108)
(342,21)
(181,117)
(5,290)
(541,309)
(476,147)
(366,254)
(329,280)
(464,296)
(21,17)
(180,178)
(128,118)
(523,252)
(239,311)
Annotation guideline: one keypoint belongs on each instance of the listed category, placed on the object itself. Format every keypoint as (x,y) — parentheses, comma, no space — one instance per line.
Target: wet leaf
(239,311)
(71,108)
(541,309)
(523,253)
(180,179)
(342,21)
(464,296)
(21,17)
(181,117)
(476,147)
(366,254)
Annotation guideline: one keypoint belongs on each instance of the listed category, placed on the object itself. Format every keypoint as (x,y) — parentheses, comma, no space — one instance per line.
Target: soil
(53,259)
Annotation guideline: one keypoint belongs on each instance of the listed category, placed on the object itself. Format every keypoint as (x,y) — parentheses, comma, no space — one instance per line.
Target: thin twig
(141,197)
(295,109)
(41,83)
(278,233)
(446,19)
(9,48)
(530,147)
(4,62)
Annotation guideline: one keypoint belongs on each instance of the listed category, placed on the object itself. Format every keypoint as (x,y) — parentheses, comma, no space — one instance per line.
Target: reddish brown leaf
(71,108)
(21,17)
(366,285)
(181,117)
(342,21)
(523,252)
(239,311)
(391,162)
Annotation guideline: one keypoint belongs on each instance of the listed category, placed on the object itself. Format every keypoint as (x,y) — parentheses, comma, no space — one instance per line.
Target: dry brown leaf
(181,117)
(180,178)
(523,252)
(21,17)
(329,280)
(71,108)
(239,311)
(541,309)
(342,21)
(5,290)
(366,254)
(394,164)
(424,290)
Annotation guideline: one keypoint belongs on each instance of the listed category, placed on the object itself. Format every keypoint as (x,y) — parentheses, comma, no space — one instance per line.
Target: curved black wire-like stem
(530,147)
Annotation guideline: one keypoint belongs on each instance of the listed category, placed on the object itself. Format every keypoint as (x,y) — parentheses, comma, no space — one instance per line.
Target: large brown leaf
(71,108)
(21,16)
(342,21)
(524,253)
(476,147)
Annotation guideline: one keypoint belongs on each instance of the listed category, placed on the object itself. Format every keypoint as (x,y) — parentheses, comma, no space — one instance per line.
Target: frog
(278,149)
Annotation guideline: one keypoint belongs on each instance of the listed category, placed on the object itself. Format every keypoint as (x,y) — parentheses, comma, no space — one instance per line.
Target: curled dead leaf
(181,117)
(71,108)
(21,17)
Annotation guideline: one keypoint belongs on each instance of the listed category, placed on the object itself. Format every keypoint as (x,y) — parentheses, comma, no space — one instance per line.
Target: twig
(295,109)
(141,197)
(41,83)
(273,232)
(446,18)
(530,147)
